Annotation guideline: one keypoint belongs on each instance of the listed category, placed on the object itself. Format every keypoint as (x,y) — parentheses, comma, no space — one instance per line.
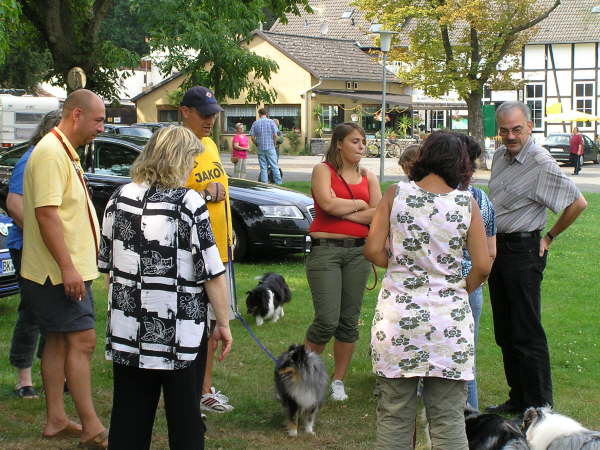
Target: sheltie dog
(493,432)
(301,381)
(548,430)
(266,300)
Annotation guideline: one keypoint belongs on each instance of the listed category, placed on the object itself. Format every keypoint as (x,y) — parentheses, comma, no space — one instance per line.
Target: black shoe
(504,408)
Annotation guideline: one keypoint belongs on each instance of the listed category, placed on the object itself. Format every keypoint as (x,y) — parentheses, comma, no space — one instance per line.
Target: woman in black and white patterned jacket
(163,266)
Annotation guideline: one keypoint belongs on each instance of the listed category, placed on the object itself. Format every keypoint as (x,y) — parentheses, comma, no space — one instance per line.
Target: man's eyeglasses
(516,131)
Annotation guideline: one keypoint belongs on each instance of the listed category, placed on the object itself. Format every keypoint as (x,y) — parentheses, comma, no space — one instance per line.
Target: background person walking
(264,134)
(576,151)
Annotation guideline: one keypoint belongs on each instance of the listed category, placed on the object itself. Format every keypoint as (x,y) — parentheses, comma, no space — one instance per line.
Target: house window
(332,115)
(534,98)
(168,115)
(487,92)
(369,123)
(233,114)
(584,96)
(287,115)
(437,120)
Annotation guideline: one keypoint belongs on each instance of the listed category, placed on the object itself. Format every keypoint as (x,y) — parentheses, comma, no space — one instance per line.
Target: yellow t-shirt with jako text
(208,169)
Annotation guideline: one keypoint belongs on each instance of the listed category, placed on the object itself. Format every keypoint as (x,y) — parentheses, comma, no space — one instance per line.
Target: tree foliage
(28,60)
(9,14)
(70,30)
(205,40)
(460,45)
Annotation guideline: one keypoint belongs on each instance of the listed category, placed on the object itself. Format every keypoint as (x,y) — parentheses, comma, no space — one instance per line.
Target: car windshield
(136,131)
(558,139)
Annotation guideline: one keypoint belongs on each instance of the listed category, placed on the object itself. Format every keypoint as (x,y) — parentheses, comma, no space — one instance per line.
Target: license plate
(8,267)
(556,150)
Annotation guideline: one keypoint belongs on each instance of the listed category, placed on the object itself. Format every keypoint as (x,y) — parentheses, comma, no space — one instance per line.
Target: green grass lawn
(570,315)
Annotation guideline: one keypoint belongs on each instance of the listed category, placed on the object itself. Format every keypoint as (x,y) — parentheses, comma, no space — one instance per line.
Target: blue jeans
(476,301)
(268,159)
(25,333)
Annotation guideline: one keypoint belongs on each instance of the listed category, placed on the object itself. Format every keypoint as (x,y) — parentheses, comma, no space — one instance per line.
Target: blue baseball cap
(202,99)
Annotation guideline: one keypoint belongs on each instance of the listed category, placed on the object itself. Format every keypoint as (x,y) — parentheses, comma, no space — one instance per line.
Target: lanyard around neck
(79,171)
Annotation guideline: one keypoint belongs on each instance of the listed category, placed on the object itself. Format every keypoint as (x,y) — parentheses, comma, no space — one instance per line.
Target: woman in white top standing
(423,326)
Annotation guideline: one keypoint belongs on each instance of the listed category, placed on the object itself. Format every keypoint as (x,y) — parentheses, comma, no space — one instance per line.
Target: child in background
(240,151)
(407,159)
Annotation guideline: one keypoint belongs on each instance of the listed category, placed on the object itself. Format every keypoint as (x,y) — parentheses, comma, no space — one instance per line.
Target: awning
(435,106)
(372,97)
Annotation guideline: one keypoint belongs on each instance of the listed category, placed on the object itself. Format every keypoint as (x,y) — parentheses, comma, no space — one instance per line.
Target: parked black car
(265,218)
(153,125)
(8,279)
(558,146)
(128,130)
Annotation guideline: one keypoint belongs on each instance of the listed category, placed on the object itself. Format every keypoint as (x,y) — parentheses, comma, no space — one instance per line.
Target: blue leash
(233,290)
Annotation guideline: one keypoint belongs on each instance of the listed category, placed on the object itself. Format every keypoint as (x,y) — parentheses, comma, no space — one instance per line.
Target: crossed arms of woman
(355,210)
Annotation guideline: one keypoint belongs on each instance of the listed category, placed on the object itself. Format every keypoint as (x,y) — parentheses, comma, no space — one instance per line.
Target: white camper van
(19,116)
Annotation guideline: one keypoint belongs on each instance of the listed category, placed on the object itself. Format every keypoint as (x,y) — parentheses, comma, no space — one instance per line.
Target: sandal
(27,392)
(71,430)
(98,442)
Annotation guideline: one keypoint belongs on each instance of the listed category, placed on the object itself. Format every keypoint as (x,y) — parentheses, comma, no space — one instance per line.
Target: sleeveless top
(330,224)
(423,325)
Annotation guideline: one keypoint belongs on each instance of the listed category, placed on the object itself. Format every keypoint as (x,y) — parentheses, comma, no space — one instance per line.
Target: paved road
(299,168)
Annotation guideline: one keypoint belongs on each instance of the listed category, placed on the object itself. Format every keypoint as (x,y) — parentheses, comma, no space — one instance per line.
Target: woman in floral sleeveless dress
(423,326)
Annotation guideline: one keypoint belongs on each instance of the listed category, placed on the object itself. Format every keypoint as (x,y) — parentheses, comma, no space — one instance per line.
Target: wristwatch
(207,196)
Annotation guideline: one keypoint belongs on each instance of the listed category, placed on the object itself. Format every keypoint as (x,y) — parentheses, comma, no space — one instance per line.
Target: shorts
(231,291)
(49,307)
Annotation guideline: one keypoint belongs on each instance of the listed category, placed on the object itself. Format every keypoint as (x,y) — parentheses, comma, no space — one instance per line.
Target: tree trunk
(476,122)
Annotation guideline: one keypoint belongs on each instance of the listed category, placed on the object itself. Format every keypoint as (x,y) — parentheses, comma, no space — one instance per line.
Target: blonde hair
(239,126)
(167,158)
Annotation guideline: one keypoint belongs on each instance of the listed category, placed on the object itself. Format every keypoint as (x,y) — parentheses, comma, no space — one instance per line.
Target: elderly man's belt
(346,243)
(518,235)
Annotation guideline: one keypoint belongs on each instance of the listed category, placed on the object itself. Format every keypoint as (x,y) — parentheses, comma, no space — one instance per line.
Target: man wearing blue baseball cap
(199,109)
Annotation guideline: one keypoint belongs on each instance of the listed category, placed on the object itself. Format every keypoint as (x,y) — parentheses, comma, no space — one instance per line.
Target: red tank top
(330,224)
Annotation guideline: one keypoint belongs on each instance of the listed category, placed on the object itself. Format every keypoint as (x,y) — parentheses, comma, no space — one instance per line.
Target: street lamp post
(385,38)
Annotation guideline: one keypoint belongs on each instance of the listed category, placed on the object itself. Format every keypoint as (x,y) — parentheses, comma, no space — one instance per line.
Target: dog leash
(236,310)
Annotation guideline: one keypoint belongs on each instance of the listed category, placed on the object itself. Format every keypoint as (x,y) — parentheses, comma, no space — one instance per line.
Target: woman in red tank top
(345,199)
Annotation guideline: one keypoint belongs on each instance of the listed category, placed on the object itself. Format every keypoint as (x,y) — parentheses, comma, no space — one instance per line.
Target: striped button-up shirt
(263,130)
(521,188)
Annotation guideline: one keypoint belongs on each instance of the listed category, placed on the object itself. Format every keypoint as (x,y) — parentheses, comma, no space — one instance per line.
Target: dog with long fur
(301,381)
(266,300)
(547,430)
(492,432)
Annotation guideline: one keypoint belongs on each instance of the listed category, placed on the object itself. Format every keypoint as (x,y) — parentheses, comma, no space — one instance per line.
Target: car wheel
(240,241)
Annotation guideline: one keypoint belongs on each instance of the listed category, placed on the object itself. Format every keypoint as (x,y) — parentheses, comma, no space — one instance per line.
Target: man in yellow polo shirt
(199,109)
(60,241)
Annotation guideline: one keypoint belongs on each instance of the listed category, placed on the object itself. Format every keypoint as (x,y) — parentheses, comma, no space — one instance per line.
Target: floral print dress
(423,325)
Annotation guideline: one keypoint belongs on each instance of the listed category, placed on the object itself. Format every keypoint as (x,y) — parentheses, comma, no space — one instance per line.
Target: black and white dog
(301,381)
(548,430)
(266,300)
(493,432)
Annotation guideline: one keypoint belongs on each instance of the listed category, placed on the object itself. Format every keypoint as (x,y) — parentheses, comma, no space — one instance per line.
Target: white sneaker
(214,401)
(338,393)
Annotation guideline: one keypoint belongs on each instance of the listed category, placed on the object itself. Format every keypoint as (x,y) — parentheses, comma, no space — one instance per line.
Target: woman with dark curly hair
(423,327)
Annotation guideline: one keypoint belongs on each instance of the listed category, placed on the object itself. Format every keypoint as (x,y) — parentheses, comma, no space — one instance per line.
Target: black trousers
(577,161)
(514,284)
(135,397)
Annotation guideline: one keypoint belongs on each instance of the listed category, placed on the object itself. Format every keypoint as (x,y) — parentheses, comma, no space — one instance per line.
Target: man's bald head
(81,98)
(83,117)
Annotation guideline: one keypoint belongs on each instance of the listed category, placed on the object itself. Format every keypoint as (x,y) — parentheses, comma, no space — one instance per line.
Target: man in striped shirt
(525,181)
(264,135)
